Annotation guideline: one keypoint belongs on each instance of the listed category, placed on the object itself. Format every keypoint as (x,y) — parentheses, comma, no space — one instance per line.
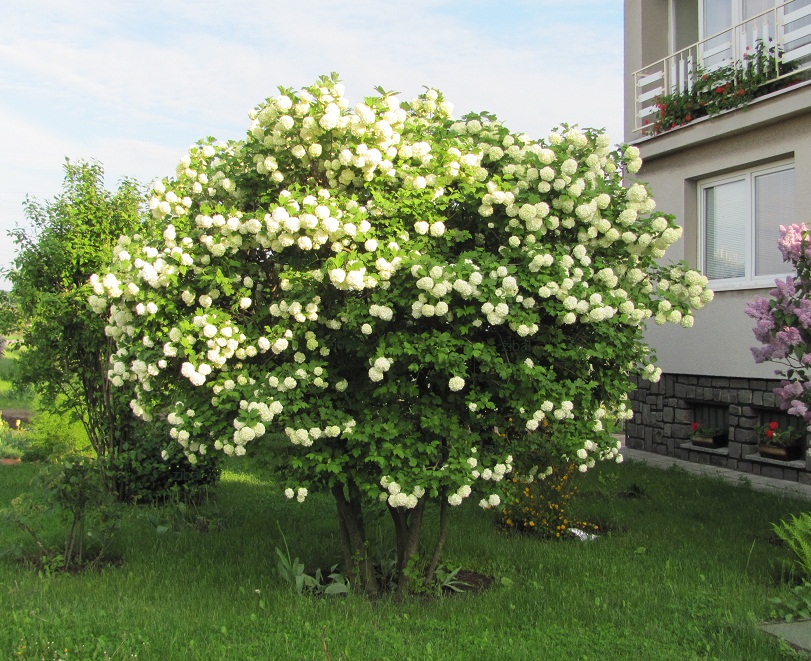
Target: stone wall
(665,411)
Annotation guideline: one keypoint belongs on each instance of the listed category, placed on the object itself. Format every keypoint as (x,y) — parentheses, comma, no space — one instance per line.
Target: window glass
(754,7)
(741,215)
(717,16)
(685,24)
(774,206)
(726,219)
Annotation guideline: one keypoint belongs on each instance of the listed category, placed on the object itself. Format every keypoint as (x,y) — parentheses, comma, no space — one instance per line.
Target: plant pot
(787,453)
(717,441)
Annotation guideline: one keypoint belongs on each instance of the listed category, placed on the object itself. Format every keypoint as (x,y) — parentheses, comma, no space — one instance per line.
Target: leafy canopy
(66,350)
(416,301)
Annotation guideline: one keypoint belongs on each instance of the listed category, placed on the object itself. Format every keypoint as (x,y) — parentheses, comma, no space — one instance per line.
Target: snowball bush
(394,288)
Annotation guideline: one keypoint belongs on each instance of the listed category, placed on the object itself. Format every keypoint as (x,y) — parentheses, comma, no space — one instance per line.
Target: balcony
(755,57)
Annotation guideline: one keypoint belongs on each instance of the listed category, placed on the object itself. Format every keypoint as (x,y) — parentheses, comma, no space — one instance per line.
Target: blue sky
(134,84)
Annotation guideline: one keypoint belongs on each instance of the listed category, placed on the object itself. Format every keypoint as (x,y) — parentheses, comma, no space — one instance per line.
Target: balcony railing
(781,36)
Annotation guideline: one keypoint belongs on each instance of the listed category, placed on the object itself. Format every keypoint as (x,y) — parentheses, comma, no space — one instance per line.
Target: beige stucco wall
(770,130)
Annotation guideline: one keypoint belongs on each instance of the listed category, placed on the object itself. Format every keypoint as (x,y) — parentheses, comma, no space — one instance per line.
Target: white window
(739,219)
(717,18)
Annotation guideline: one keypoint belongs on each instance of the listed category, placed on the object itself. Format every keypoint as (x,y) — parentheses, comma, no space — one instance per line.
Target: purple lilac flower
(791,241)
(763,330)
(803,313)
(759,308)
(784,292)
(790,336)
(762,354)
(780,348)
(788,392)
(798,408)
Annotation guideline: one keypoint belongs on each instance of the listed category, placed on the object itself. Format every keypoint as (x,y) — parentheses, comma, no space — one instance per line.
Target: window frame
(749,280)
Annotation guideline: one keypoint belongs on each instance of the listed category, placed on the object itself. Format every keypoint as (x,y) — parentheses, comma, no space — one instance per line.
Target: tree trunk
(401,535)
(346,545)
(351,523)
(411,522)
(440,542)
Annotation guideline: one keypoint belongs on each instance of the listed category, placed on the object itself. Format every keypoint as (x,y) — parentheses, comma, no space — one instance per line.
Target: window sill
(741,284)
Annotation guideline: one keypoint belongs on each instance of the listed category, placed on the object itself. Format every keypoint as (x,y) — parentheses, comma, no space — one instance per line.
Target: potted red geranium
(775,443)
(707,437)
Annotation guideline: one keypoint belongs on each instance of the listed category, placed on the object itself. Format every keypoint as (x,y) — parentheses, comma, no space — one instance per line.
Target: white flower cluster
(181,420)
(456,498)
(396,497)
(456,383)
(383,312)
(493,500)
(437,285)
(496,474)
(564,412)
(379,368)
(305,437)
(299,494)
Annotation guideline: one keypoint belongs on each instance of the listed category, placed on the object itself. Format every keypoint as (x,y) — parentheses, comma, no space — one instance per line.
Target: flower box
(708,437)
(782,444)
(716,441)
(780,452)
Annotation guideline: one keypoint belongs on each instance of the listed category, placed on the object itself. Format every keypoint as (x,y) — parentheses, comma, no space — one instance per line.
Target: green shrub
(15,392)
(54,437)
(151,467)
(794,604)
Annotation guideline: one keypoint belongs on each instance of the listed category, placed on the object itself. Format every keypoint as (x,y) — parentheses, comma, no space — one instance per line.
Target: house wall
(719,342)
(709,369)
(664,413)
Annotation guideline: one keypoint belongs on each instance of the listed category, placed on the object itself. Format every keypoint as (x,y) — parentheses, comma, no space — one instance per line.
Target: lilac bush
(784,324)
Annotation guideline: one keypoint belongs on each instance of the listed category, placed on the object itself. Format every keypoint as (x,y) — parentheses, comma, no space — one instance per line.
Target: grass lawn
(684,571)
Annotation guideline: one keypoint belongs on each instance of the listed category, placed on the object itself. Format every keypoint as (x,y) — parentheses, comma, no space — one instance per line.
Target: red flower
(769,433)
(695,426)
(688,118)
(773,425)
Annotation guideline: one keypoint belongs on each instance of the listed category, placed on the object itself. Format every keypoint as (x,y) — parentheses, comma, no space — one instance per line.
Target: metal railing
(785,29)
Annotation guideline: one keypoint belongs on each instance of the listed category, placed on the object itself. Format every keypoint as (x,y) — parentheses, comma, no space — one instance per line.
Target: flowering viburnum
(784,324)
(394,287)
